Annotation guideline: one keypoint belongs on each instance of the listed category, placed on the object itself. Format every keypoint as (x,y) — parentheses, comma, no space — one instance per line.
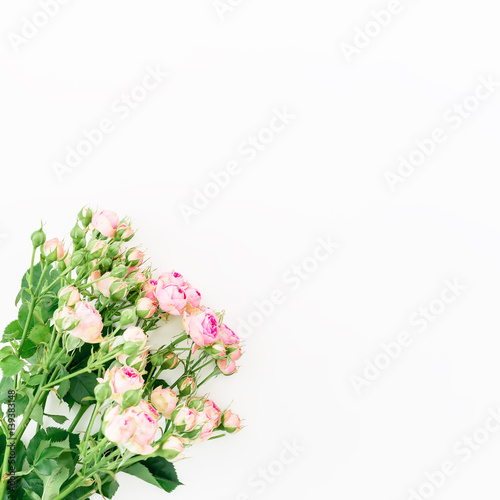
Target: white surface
(323,175)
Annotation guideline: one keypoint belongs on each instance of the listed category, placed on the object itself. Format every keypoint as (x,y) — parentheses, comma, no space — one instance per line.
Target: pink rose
(53,249)
(124,232)
(150,289)
(134,334)
(146,308)
(231,422)
(228,336)
(65,319)
(145,432)
(185,418)
(90,324)
(236,354)
(171,298)
(212,411)
(193,297)
(106,222)
(119,428)
(202,326)
(227,367)
(164,400)
(149,409)
(139,277)
(69,296)
(123,379)
(135,257)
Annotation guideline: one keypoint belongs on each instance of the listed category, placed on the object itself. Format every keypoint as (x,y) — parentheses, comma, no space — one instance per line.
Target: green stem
(77,418)
(87,435)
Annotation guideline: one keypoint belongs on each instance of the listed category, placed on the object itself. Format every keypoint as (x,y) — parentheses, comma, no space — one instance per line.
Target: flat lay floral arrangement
(86,317)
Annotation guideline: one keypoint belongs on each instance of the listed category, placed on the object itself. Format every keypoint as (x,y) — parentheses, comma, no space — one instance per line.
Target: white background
(322,176)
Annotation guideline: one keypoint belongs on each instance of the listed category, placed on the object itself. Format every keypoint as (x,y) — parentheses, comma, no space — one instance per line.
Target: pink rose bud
(217,350)
(146,308)
(53,250)
(186,386)
(234,352)
(106,223)
(228,336)
(145,432)
(135,334)
(212,412)
(149,289)
(172,278)
(96,248)
(65,319)
(171,298)
(123,379)
(227,367)
(149,409)
(69,296)
(164,400)
(135,257)
(104,284)
(118,290)
(185,419)
(193,298)
(140,277)
(202,326)
(172,448)
(90,324)
(119,428)
(171,361)
(124,232)
(231,422)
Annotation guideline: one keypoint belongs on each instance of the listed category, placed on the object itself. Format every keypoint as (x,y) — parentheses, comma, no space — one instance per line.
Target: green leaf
(6,351)
(50,452)
(23,316)
(13,331)
(60,419)
(40,334)
(52,436)
(11,365)
(21,403)
(81,388)
(157,471)
(37,414)
(29,348)
(110,488)
(6,385)
(35,380)
(52,484)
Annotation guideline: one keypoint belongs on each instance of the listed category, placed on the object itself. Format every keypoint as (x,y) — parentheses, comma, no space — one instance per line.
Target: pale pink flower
(106,222)
(90,325)
(164,400)
(228,336)
(172,448)
(202,326)
(53,249)
(69,295)
(231,422)
(172,278)
(150,289)
(146,308)
(171,298)
(227,367)
(104,284)
(121,380)
(119,428)
(193,297)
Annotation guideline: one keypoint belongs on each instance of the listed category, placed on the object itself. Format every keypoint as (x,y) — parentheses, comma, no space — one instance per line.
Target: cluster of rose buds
(115,302)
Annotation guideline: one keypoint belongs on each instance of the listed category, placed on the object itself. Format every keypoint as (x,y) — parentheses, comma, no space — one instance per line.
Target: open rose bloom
(89,333)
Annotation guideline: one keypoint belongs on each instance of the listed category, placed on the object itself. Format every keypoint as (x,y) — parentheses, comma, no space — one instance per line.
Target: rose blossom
(231,422)
(202,326)
(139,277)
(119,428)
(90,325)
(135,257)
(69,295)
(121,380)
(185,419)
(164,400)
(193,297)
(104,284)
(172,278)
(144,435)
(53,249)
(172,449)
(106,222)
(172,298)
(150,289)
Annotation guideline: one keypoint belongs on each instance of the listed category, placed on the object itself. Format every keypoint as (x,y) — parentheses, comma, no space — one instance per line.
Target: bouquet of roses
(86,319)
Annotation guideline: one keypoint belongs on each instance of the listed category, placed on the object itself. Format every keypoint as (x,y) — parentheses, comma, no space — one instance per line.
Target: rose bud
(118,290)
(148,408)
(124,232)
(227,367)
(145,308)
(144,435)
(202,326)
(216,350)
(118,428)
(164,400)
(106,223)
(231,422)
(53,250)
(121,380)
(119,271)
(186,386)
(38,238)
(69,296)
(77,234)
(102,392)
(65,319)
(149,289)
(85,216)
(140,278)
(90,324)
(212,411)
(104,284)
(228,336)
(171,361)
(197,403)
(135,257)
(77,258)
(135,334)
(172,448)
(184,419)
(131,398)
(193,298)
(96,248)
(127,317)
(113,250)
(171,298)
(234,352)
